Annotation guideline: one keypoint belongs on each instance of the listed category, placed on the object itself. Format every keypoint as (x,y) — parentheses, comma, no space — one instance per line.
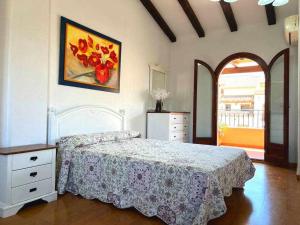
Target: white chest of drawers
(168,126)
(27,173)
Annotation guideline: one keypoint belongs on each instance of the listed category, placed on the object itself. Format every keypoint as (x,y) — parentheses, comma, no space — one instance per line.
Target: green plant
(221,129)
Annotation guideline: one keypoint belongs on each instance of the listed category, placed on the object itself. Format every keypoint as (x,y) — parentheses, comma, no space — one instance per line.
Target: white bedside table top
(25,148)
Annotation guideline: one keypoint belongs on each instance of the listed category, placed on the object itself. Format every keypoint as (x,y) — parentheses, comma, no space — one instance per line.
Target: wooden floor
(272,197)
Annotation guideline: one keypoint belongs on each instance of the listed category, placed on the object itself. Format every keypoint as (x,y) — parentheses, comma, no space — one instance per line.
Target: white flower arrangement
(160,94)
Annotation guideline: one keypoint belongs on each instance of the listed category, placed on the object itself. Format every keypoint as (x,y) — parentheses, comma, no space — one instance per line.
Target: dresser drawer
(178,136)
(30,191)
(30,159)
(179,118)
(178,127)
(30,175)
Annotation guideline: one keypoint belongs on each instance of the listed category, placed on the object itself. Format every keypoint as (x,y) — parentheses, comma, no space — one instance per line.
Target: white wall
(4,24)
(142,43)
(259,39)
(29,70)
(26,72)
(32,56)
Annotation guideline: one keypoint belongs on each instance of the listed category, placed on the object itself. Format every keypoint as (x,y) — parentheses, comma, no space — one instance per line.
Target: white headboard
(83,120)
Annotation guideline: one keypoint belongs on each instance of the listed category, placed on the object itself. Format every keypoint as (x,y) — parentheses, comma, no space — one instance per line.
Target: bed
(182,184)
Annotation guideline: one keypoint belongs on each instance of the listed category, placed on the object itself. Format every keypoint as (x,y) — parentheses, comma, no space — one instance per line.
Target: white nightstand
(170,126)
(27,173)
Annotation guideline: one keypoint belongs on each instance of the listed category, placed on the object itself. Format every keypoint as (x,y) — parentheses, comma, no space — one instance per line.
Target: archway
(241,82)
(276,112)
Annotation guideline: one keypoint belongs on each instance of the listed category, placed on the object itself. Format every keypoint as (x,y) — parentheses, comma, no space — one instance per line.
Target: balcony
(242,118)
(242,128)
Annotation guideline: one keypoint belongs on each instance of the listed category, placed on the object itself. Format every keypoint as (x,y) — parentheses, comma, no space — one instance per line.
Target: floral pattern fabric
(182,184)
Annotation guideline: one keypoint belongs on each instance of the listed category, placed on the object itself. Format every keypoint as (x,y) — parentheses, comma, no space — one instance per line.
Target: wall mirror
(158,78)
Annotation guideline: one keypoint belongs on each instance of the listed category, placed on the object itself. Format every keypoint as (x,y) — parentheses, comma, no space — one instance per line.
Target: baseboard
(293,166)
(258,160)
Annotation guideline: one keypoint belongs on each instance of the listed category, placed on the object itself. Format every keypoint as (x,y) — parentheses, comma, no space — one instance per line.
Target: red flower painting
(100,58)
(90,59)
(82,45)
(102,73)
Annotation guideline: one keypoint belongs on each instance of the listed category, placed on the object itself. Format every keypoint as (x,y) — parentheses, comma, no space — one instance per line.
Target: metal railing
(242,118)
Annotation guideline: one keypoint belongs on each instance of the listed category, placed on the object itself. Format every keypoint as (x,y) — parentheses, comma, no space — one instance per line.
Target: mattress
(182,184)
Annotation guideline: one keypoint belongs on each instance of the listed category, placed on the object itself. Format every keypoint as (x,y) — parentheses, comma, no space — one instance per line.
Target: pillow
(75,141)
(121,135)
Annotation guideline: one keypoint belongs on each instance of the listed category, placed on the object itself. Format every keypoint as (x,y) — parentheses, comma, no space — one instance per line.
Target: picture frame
(88,59)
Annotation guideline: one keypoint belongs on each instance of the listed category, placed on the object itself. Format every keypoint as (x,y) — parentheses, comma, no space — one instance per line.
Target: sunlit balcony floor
(253,153)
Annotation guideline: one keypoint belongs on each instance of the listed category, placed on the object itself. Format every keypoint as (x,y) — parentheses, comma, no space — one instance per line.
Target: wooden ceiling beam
(271,15)
(228,13)
(185,5)
(159,20)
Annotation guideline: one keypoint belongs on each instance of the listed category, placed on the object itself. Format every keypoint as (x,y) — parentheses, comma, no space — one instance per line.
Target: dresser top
(25,148)
(172,112)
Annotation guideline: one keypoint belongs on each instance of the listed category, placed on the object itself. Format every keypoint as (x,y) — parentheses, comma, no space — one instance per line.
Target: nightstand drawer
(178,136)
(178,127)
(179,118)
(30,191)
(31,159)
(30,175)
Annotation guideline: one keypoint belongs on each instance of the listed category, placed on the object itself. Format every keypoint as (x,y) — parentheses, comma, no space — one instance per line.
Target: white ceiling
(211,16)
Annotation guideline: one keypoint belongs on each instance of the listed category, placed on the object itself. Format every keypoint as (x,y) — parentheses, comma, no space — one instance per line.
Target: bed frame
(85,119)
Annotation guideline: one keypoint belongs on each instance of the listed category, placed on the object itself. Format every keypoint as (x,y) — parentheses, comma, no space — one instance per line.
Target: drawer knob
(33,158)
(175,127)
(33,174)
(174,136)
(33,190)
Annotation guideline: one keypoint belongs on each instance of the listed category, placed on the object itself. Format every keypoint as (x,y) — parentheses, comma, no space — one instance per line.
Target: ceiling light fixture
(280,2)
(265,2)
(261,2)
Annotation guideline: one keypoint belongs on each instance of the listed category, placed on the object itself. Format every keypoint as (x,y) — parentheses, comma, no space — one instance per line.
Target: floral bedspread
(182,184)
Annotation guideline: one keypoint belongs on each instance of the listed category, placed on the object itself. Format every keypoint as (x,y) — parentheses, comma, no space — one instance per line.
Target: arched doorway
(276,103)
(241,109)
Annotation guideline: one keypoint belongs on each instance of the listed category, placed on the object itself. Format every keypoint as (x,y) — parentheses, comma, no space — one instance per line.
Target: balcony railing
(242,118)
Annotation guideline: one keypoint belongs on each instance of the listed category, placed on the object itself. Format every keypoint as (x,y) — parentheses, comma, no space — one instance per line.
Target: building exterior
(241,100)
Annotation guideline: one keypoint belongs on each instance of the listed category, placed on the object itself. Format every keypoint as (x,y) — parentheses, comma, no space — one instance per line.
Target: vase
(159,105)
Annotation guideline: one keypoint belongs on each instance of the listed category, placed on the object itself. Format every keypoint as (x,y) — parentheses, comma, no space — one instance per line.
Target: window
(246,107)
(227,107)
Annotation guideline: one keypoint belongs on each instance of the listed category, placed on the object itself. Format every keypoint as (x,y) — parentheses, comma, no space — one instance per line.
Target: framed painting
(88,59)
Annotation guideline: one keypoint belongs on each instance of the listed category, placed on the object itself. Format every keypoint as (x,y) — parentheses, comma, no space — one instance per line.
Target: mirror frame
(154,67)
